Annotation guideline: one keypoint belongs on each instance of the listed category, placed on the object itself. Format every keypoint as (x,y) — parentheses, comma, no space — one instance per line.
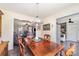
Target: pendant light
(37,13)
(37,10)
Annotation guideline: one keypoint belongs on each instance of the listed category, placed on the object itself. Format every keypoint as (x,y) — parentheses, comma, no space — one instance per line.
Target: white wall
(7,28)
(8,25)
(52,23)
(52,19)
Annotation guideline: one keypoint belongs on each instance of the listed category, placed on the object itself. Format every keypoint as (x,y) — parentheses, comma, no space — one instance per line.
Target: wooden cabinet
(4,49)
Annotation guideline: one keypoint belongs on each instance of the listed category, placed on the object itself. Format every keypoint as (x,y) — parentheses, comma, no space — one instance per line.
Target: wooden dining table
(44,47)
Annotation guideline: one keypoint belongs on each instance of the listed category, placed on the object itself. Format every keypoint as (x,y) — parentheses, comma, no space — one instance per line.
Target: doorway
(22,27)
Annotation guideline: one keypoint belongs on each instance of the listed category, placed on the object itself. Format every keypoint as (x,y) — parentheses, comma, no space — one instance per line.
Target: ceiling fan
(70,21)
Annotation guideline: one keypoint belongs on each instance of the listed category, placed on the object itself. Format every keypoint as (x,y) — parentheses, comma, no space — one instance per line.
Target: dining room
(39,29)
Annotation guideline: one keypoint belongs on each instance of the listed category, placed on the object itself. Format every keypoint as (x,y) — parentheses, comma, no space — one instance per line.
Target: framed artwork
(46,27)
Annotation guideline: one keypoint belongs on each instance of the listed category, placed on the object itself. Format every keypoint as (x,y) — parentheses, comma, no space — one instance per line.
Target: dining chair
(70,50)
(46,37)
(21,46)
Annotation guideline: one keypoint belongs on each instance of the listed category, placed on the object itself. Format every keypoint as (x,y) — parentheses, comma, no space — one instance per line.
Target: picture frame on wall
(46,27)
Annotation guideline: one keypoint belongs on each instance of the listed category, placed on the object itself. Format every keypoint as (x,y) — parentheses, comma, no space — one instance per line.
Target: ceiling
(30,9)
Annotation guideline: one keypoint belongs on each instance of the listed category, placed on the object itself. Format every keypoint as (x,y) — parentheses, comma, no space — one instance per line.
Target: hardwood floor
(15,52)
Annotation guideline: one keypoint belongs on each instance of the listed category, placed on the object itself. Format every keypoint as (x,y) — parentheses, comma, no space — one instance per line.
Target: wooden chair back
(46,36)
(21,46)
(70,51)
